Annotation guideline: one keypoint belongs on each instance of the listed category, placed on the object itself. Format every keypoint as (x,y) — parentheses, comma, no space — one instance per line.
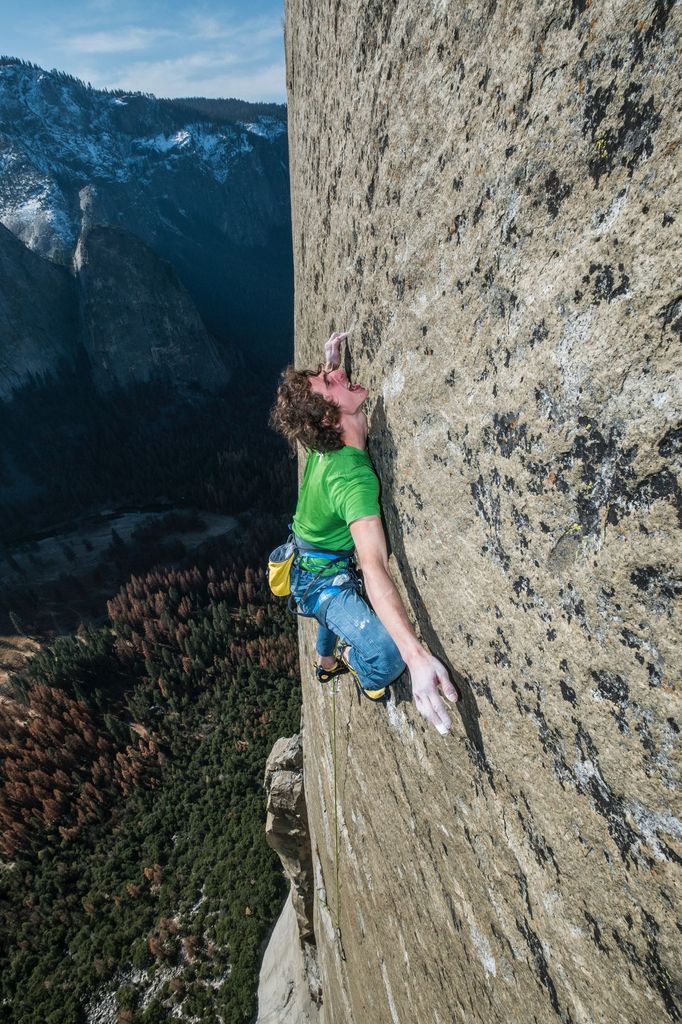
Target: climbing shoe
(324,675)
(378,696)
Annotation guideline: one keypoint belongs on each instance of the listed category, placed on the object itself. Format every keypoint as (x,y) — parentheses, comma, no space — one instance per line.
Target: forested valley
(135,881)
(68,447)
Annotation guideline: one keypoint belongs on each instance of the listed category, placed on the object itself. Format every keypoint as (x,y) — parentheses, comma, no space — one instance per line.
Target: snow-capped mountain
(207,193)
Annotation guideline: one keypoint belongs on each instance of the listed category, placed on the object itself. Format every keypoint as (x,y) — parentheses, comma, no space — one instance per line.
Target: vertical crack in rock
(385,457)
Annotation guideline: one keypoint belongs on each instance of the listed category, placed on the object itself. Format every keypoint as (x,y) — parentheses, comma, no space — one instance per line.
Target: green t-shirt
(338,488)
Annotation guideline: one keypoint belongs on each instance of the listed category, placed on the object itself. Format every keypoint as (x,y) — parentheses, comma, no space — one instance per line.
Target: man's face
(335,387)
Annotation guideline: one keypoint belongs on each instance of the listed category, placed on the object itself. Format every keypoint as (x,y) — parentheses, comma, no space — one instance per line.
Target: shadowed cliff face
(38,313)
(487,195)
(136,317)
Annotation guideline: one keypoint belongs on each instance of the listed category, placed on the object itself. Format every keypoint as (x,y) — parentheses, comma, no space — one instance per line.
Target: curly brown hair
(299,414)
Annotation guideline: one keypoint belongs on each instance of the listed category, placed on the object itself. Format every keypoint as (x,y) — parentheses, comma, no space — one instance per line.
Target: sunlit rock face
(286,828)
(289,985)
(486,195)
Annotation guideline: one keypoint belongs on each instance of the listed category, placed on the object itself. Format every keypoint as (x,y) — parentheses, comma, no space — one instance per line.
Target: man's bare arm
(370,545)
(426,672)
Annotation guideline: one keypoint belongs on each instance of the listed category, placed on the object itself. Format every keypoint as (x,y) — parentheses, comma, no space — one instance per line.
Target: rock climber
(338,521)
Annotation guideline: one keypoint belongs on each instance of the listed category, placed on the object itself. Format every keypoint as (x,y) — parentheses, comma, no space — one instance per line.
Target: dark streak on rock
(371,334)
(640,40)
(604,283)
(612,687)
(539,333)
(631,139)
(568,693)
(556,193)
(671,443)
(605,470)
(606,802)
(544,977)
(577,7)
(671,315)
(507,433)
(651,965)
(596,933)
(487,506)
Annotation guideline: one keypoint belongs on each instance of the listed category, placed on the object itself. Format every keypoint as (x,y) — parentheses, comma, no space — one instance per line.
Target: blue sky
(167,47)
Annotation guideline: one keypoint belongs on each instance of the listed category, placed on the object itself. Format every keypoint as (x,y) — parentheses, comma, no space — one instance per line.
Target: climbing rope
(335,911)
(335,914)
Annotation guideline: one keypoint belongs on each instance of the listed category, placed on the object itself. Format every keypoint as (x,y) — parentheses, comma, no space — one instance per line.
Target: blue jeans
(341,611)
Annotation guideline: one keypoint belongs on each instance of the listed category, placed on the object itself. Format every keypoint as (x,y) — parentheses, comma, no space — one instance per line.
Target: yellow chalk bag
(279,569)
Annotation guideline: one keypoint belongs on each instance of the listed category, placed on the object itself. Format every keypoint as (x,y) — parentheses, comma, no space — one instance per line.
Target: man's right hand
(332,350)
(427,675)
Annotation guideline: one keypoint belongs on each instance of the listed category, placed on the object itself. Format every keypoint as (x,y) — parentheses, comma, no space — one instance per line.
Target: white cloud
(254,32)
(202,54)
(194,76)
(261,29)
(118,41)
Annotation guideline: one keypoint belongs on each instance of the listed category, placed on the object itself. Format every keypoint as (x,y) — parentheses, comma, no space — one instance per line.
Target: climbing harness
(284,557)
(328,558)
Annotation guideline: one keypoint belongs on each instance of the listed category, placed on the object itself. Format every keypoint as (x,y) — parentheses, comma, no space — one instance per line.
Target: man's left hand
(332,350)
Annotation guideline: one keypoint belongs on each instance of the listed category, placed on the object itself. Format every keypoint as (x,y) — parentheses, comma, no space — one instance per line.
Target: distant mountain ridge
(203,183)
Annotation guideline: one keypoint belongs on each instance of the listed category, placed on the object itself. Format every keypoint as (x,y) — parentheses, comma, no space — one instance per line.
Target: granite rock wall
(487,195)
(38,314)
(289,983)
(286,826)
(137,320)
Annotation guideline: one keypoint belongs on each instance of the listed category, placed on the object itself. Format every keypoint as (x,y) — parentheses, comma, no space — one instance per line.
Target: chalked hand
(429,678)
(332,350)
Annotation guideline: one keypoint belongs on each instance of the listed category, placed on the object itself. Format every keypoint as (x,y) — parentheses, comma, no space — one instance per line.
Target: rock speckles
(487,195)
